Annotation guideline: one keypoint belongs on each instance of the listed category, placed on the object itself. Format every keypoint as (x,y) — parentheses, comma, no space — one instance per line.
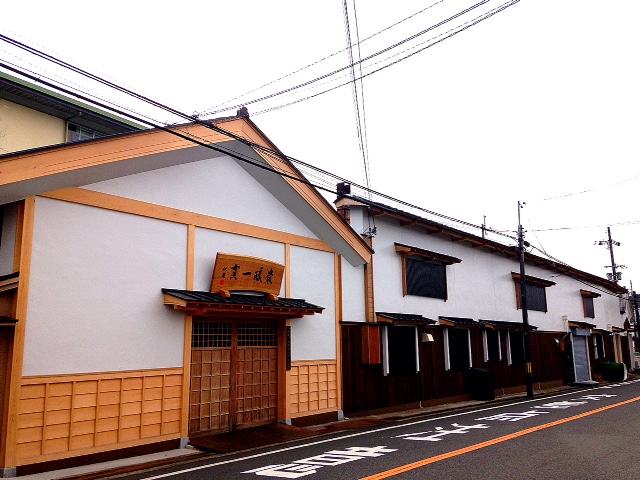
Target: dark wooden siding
(366,388)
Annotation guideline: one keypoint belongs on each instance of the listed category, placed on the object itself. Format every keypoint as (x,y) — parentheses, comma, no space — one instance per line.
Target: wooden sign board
(236,273)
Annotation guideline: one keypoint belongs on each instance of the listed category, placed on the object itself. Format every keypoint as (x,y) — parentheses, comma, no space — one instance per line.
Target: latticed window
(211,334)
(263,334)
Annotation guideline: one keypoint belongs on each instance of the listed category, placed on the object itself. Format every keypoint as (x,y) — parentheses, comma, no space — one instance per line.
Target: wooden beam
(8,450)
(150,210)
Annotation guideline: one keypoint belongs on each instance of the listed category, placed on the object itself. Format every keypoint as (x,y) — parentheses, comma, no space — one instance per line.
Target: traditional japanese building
(153,289)
(447,300)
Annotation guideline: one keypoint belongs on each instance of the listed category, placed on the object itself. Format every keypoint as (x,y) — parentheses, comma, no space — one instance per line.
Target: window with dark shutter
(402,350)
(587,303)
(425,279)
(458,349)
(536,292)
(536,298)
(516,344)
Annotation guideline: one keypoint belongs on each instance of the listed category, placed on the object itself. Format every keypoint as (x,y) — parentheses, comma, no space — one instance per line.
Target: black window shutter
(425,279)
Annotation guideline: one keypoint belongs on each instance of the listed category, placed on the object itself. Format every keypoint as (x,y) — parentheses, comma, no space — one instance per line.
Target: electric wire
(208,125)
(272,153)
(453,31)
(364,112)
(354,93)
(316,62)
(341,69)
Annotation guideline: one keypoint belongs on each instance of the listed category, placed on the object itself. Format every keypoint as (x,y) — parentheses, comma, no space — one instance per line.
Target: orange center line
(471,448)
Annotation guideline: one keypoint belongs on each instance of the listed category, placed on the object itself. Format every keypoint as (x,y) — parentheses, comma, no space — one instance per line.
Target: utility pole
(615,275)
(523,304)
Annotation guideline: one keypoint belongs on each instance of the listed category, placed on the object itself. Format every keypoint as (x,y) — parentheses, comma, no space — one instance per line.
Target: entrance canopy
(198,303)
(403,319)
(495,324)
(458,322)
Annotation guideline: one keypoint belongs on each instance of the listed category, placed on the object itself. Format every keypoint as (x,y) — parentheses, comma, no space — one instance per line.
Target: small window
(493,345)
(536,292)
(402,350)
(587,304)
(516,346)
(536,298)
(77,133)
(458,349)
(425,279)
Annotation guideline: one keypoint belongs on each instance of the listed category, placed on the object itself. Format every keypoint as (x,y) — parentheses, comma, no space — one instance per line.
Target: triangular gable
(46,169)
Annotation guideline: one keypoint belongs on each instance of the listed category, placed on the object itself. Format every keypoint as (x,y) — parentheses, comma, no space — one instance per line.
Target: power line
(453,31)
(364,112)
(578,227)
(594,189)
(341,69)
(316,62)
(276,154)
(199,141)
(354,92)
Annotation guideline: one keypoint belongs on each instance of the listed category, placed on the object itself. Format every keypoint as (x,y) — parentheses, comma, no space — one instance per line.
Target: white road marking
(368,432)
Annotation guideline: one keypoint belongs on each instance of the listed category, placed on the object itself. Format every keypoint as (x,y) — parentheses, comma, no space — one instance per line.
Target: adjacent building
(447,300)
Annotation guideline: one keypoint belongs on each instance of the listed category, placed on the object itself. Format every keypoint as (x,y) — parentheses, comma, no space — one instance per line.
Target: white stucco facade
(217,187)
(353,293)
(479,287)
(312,278)
(95,302)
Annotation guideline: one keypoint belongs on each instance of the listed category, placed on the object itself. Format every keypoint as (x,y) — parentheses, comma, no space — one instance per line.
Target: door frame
(282,349)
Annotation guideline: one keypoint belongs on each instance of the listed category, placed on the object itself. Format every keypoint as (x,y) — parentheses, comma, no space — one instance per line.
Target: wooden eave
(434,228)
(236,310)
(7,322)
(9,282)
(601,331)
(589,294)
(615,329)
(59,159)
(426,254)
(456,322)
(503,325)
(540,282)
(585,325)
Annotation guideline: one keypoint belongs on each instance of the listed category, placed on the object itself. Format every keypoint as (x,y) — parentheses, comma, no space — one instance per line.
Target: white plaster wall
(218,187)
(353,299)
(94,296)
(479,287)
(312,278)
(8,237)
(210,242)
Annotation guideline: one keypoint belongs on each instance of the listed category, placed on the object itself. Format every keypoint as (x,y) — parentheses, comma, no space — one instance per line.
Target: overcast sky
(540,100)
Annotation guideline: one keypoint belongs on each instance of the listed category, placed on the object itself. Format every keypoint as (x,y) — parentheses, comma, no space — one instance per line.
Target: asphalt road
(583,434)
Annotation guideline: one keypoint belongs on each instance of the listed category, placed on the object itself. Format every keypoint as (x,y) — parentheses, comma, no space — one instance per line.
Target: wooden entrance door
(234,374)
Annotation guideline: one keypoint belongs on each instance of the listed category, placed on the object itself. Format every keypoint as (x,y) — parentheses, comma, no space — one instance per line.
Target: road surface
(583,434)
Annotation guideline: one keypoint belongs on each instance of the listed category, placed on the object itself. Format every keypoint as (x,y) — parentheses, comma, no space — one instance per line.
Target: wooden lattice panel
(69,415)
(210,390)
(257,385)
(312,387)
